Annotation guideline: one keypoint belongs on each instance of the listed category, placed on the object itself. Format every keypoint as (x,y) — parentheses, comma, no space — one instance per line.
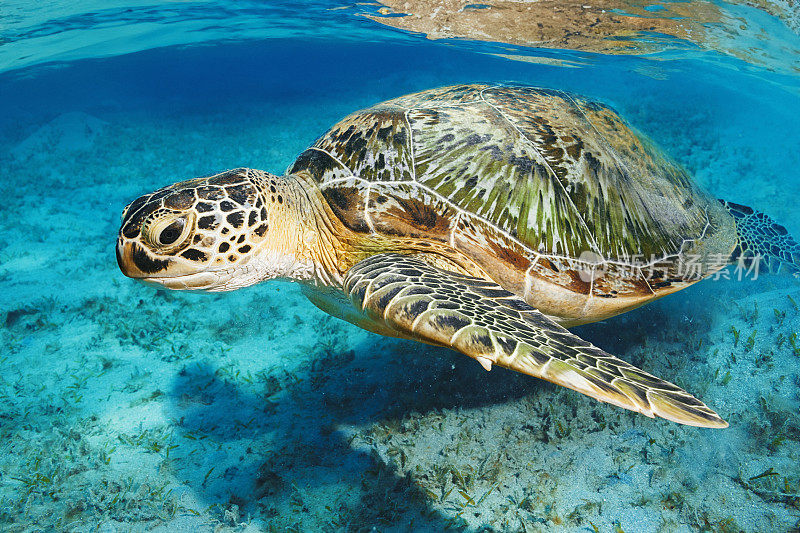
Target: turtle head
(209,233)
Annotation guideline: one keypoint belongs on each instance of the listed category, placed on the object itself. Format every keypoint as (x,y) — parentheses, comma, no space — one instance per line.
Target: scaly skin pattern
(762,239)
(479,318)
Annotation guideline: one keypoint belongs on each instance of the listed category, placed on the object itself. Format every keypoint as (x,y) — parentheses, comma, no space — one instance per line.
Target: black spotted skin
(219,212)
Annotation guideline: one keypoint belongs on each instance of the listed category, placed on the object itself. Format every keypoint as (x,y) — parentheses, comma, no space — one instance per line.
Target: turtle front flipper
(481,319)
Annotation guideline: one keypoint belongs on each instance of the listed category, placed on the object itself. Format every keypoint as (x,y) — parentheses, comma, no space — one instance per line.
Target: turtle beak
(124,260)
(136,263)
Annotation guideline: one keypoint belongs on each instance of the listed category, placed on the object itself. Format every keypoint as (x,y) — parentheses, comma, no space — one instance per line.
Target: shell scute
(442,96)
(320,164)
(407,209)
(348,202)
(373,144)
(492,171)
(531,178)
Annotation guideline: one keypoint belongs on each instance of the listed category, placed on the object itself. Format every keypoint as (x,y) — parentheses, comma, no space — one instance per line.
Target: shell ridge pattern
(623,165)
(644,278)
(600,136)
(459,210)
(367,216)
(456,207)
(418,174)
(620,165)
(542,159)
(352,145)
(528,277)
(534,255)
(695,239)
(324,151)
(411,146)
(456,220)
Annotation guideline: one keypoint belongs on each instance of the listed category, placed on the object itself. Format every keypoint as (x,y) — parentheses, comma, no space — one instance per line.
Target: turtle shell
(532,184)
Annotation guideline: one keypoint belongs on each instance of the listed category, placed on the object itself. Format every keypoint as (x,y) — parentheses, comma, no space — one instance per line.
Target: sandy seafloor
(126,408)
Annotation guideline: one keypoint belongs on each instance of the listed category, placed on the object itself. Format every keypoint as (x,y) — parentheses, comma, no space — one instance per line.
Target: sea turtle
(482,218)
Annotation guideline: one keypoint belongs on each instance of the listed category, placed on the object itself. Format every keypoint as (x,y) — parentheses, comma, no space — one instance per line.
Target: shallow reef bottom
(125,408)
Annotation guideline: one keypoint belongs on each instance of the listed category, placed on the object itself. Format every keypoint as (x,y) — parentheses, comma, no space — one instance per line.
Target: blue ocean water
(126,408)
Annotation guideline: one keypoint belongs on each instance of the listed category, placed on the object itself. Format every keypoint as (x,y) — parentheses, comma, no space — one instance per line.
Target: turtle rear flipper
(760,238)
(481,319)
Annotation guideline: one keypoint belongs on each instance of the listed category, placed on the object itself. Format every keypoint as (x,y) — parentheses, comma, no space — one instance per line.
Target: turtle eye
(171,233)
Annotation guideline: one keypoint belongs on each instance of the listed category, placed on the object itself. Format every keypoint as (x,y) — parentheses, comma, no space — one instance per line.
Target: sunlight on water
(36,33)
(39,32)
